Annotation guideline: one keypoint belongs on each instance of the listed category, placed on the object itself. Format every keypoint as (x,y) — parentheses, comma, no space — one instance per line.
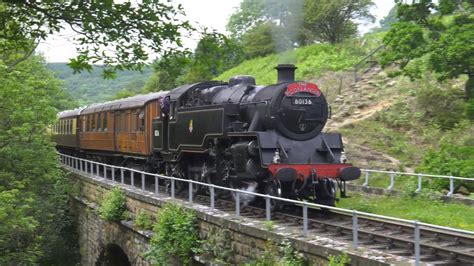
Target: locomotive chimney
(286,72)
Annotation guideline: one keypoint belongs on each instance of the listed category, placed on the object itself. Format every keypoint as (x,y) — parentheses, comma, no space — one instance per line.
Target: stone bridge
(113,243)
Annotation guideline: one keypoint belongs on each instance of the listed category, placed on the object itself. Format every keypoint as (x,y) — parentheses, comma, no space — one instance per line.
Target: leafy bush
(442,103)
(339,260)
(454,156)
(398,116)
(469,109)
(143,221)
(272,255)
(219,245)
(175,235)
(114,205)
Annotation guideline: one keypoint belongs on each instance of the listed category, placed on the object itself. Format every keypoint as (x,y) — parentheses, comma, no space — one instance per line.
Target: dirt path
(363,114)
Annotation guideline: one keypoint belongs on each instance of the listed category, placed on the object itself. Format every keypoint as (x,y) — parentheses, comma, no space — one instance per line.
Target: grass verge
(425,207)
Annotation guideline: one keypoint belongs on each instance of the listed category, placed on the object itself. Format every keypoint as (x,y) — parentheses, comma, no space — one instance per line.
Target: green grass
(311,61)
(425,208)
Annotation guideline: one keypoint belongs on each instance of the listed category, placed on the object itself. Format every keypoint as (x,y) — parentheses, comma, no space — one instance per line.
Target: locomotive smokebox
(286,72)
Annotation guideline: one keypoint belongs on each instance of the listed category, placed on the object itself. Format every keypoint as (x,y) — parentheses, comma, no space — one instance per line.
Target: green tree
(117,35)
(389,19)
(285,16)
(258,40)
(442,33)
(33,205)
(334,21)
(302,21)
(214,54)
(167,72)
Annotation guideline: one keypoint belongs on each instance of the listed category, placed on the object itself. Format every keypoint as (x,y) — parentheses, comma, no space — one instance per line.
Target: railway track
(437,247)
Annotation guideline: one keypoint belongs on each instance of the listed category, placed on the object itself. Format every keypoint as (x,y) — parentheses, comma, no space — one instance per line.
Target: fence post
(190,192)
(267,208)
(305,219)
(417,243)
(105,171)
(112,169)
(366,183)
(212,197)
(355,230)
(143,181)
(237,204)
(392,181)
(122,177)
(451,187)
(157,188)
(419,183)
(132,178)
(80,165)
(172,188)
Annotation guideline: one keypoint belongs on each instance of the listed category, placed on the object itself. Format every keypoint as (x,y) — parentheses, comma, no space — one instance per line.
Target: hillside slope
(91,87)
(387,122)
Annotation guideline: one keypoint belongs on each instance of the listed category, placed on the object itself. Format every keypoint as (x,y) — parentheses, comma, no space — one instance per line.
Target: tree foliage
(168,71)
(34,227)
(298,22)
(258,40)
(442,32)
(117,35)
(334,21)
(214,54)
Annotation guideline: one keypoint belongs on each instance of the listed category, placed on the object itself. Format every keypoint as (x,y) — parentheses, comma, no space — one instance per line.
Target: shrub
(114,206)
(280,255)
(143,221)
(442,103)
(175,235)
(454,156)
(219,245)
(339,260)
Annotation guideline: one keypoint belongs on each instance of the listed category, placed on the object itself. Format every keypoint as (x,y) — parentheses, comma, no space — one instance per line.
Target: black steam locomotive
(263,138)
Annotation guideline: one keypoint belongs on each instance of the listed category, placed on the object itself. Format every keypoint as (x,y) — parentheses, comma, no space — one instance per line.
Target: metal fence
(93,168)
(420,177)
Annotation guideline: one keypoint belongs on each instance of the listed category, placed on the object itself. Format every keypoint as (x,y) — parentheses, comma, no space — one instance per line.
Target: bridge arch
(112,255)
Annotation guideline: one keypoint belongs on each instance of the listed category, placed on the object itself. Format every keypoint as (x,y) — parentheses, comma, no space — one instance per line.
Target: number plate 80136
(301,101)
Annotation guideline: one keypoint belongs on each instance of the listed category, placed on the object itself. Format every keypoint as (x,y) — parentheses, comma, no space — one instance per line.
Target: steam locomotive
(235,134)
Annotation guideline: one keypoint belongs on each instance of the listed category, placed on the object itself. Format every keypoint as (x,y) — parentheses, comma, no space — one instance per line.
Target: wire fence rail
(420,176)
(93,168)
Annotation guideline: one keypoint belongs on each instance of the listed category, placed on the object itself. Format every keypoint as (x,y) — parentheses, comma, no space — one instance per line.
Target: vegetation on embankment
(312,61)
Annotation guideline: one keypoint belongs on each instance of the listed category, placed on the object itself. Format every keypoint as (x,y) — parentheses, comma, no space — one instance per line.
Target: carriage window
(93,125)
(99,122)
(70,126)
(141,119)
(104,122)
(134,122)
(61,123)
(126,117)
(66,126)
